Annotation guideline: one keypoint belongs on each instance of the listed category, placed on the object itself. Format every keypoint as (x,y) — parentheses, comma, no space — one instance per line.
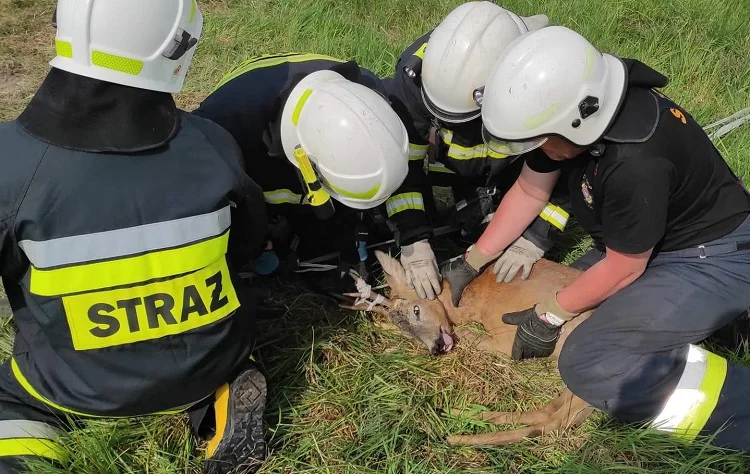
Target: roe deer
(483,301)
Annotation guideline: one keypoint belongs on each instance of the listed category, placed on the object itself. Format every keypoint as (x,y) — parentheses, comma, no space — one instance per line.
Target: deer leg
(500,438)
(521,417)
(566,411)
(574,412)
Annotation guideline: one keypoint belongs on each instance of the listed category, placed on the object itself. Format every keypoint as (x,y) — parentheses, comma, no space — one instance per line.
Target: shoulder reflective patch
(265,61)
(129,315)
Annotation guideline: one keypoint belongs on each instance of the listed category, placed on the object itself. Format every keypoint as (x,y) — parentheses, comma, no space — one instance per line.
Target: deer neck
(461,315)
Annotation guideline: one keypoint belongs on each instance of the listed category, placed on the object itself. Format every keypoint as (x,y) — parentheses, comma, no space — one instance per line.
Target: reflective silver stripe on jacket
(124,242)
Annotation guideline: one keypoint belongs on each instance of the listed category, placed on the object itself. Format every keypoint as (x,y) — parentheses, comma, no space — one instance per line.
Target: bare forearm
(514,214)
(596,285)
(517,210)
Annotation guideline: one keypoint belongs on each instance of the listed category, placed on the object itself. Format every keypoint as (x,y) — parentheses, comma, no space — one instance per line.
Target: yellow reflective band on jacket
(116,317)
(417,152)
(284,196)
(24,383)
(458,152)
(404,202)
(270,60)
(694,399)
(138,283)
(127,271)
(439,168)
(43,448)
(555,215)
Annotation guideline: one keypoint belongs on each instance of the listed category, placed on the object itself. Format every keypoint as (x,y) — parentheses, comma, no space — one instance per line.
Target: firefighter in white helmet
(321,139)
(439,83)
(668,215)
(123,224)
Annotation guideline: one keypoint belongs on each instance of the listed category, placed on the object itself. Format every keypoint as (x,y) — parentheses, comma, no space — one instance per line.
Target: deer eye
(416,311)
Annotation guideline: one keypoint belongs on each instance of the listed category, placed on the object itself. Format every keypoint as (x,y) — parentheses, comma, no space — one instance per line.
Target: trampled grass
(346,397)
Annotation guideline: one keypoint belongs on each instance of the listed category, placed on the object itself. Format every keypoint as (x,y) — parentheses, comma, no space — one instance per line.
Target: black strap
(703,251)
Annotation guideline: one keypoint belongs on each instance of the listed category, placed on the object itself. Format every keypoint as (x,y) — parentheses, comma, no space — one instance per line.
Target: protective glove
(422,274)
(461,271)
(538,328)
(522,255)
(266,263)
(359,267)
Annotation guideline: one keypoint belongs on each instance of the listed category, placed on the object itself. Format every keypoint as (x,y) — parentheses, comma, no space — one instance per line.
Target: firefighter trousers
(29,428)
(636,358)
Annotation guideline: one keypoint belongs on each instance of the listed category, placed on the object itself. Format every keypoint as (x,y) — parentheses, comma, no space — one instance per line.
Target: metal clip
(487,192)
(701,251)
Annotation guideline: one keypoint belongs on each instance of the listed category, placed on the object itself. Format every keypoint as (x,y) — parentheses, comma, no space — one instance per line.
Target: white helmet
(357,144)
(551,82)
(139,43)
(461,52)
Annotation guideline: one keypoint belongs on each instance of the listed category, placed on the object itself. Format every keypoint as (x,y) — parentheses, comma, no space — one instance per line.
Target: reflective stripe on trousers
(688,408)
(30,438)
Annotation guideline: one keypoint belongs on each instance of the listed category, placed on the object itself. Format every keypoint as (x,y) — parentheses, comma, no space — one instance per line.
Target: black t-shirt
(669,189)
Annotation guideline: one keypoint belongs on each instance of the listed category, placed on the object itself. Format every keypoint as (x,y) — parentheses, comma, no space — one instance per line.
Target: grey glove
(421,267)
(522,255)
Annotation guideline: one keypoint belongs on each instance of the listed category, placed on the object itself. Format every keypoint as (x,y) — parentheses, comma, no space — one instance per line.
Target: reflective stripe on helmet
(300,105)
(64,48)
(688,408)
(404,202)
(116,63)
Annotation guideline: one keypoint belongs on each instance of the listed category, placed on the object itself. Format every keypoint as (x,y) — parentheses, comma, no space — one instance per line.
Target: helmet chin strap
(318,197)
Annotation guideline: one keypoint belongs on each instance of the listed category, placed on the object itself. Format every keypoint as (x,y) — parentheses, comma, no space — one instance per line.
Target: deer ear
(394,272)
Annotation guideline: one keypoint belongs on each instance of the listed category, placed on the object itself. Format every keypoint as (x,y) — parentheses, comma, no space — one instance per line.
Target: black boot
(237,444)
(735,335)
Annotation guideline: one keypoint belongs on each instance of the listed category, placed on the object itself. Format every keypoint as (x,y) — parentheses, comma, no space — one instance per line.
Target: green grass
(346,397)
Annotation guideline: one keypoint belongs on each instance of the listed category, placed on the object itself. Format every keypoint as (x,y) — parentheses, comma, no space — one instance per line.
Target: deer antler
(365,299)
(566,411)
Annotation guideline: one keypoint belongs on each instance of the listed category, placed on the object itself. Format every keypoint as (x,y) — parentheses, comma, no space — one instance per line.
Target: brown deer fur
(485,301)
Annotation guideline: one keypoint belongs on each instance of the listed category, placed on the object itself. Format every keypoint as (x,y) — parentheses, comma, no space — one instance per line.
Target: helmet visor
(447,116)
(510,148)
